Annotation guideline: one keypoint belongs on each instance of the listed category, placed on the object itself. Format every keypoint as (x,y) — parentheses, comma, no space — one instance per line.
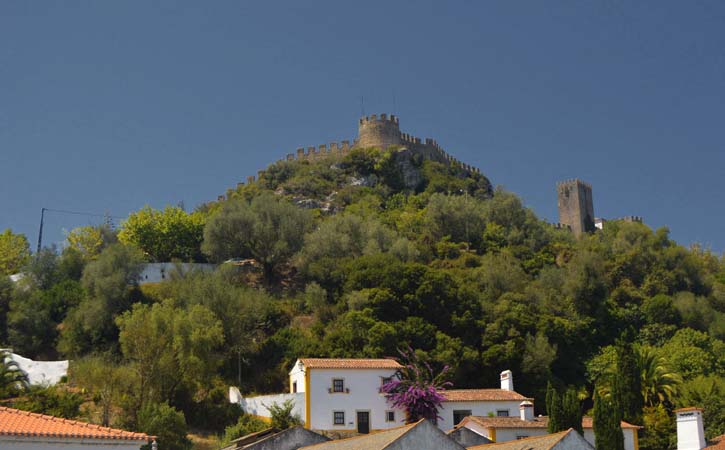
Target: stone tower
(382,131)
(576,208)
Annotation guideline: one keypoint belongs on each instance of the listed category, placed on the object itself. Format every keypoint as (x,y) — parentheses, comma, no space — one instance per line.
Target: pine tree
(607,429)
(553,409)
(572,411)
(628,384)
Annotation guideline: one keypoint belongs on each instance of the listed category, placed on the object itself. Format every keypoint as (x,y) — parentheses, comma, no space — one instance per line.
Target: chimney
(690,433)
(507,380)
(526,410)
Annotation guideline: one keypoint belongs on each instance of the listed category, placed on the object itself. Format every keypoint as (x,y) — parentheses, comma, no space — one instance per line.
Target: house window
(521,437)
(390,416)
(338,385)
(502,412)
(294,386)
(460,414)
(338,417)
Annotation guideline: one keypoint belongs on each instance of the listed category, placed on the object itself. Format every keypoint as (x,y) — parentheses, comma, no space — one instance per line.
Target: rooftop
(533,443)
(537,422)
(472,395)
(350,363)
(14,422)
(372,441)
(717,443)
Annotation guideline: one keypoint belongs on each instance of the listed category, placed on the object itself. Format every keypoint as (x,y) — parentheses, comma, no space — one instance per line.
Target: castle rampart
(380,131)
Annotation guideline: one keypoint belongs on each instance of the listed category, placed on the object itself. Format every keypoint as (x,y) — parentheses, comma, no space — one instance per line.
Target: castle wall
(380,131)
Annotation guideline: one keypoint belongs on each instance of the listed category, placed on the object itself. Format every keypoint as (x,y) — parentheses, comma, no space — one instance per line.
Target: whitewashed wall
(478,408)
(364,385)
(258,405)
(158,272)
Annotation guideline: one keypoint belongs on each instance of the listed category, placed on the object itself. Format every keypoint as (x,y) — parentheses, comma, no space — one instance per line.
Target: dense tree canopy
(361,255)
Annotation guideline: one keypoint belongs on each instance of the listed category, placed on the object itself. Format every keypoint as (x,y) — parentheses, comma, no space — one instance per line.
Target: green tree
(282,415)
(14,252)
(607,429)
(245,425)
(104,380)
(169,348)
(165,235)
(51,400)
(110,283)
(628,384)
(708,393)
(659,429)
(31,329)
(166,423)
(90,240)
(267,229)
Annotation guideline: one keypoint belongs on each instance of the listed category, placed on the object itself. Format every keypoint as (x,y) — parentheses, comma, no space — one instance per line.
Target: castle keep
(576,208)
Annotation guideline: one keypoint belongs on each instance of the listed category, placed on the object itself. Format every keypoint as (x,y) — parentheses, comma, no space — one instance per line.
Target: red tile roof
(688,409)
(472,395)
(717,443)
(537,422)
(338,363)
(14,422)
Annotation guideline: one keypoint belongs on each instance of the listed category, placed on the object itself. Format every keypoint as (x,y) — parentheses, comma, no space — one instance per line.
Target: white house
(22,430)
(504,429)
(343,395)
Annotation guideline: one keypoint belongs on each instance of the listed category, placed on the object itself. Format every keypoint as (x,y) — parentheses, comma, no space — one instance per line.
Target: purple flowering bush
(416,388)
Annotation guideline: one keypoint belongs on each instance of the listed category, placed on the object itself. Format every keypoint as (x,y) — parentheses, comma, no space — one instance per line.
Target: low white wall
(477,408)
(258,405)
(158,272)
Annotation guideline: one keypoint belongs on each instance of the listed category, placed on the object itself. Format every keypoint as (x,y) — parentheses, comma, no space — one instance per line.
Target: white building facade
(343,395)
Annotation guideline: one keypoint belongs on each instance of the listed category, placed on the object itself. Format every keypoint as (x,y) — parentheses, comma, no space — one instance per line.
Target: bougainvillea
(416,388)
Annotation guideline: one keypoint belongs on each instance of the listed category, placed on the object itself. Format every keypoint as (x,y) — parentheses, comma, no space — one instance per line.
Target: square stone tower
(576,208)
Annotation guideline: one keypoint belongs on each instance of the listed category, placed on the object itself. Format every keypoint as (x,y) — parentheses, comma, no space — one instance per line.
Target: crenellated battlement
(573,182)
(376,130)
(380,118)
(637,219)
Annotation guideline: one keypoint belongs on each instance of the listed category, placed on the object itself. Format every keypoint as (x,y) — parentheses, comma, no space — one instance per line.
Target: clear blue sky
(108,106)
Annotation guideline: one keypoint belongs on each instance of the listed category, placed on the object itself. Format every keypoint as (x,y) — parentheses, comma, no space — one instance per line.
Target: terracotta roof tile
(472,395)
(14,422)
(338,363)
(688,409)
(717,443)
(537,422)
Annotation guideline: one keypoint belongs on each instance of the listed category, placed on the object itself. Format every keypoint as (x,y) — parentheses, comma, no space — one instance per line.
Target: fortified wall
(380,131)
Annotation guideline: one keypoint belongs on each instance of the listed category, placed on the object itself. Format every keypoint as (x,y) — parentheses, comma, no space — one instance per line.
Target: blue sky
(108,106)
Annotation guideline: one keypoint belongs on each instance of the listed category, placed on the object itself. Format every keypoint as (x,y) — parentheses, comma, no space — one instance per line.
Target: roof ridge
(563,435)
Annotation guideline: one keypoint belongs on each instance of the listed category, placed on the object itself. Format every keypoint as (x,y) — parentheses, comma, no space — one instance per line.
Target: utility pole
(40,232)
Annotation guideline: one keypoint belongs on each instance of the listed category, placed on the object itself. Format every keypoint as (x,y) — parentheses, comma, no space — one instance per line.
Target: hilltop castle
(381,131)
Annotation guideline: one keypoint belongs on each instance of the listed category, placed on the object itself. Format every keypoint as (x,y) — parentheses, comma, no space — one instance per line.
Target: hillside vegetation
(348,262)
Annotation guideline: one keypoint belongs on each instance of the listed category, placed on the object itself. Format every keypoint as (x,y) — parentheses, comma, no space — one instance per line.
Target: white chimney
(526,410)
(507,380)
(690,433)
